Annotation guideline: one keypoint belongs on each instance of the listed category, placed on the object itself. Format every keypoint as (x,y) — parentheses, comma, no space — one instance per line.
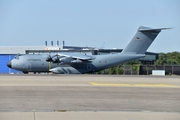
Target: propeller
(55,58)
(62,59)
(49,58)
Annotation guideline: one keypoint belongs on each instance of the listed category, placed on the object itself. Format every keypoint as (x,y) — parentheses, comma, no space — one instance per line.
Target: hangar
(9,52)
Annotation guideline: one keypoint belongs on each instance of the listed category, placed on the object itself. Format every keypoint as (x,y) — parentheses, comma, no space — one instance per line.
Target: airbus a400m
(72,63)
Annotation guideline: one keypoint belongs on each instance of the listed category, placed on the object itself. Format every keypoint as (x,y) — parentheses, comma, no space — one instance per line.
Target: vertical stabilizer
(142,40)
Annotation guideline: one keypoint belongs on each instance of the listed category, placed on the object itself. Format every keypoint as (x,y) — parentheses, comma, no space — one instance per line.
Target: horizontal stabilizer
(142,28)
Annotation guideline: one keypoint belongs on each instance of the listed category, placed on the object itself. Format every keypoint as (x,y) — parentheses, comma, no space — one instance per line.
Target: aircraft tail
(142,40)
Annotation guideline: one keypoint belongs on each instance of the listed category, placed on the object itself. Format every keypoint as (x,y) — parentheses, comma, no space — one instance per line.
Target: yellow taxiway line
(131,84)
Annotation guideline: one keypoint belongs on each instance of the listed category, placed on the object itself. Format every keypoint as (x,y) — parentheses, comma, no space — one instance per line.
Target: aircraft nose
(9,64)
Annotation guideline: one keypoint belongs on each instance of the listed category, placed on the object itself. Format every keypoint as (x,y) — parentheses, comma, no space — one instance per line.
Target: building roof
(22,49)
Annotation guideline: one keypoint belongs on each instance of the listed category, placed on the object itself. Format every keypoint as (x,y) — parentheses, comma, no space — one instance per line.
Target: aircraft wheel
(25,72)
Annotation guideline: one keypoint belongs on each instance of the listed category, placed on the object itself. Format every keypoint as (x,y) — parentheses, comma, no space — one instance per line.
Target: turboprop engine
(54,58)
(66,60)
(62,59)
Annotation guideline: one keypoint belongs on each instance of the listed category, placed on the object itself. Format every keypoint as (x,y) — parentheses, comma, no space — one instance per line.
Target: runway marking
(131,84)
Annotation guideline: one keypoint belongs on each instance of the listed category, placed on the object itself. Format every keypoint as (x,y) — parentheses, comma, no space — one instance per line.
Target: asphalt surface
(89,93)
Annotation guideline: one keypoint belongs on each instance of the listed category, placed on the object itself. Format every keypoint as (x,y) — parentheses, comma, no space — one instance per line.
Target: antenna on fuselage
(102,46)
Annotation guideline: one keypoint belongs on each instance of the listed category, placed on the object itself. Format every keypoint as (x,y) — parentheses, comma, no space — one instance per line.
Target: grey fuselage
(38,63)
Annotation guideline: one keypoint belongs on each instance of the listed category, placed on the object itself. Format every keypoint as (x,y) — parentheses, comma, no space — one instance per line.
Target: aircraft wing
(76,56)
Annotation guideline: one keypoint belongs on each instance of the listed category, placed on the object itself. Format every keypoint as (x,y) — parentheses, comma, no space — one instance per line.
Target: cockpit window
(16,57)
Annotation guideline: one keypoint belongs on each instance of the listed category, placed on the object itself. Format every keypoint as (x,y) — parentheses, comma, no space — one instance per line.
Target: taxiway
(36,95)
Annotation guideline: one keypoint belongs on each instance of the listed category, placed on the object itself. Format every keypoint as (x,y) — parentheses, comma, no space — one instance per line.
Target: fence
(141,69)
(169,69)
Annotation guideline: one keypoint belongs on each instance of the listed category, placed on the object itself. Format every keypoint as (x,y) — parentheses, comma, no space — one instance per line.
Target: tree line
(171,58)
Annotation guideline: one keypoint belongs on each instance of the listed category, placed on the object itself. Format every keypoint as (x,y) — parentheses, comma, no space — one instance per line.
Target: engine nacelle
(66,60)
(76,61)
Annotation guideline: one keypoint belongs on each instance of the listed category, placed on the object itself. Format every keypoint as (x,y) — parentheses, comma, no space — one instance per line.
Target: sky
(92,23)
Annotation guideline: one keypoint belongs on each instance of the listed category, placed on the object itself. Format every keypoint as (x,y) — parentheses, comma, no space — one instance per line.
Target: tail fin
(142,40)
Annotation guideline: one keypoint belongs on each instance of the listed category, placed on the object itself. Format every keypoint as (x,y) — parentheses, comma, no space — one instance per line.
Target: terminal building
(9,52)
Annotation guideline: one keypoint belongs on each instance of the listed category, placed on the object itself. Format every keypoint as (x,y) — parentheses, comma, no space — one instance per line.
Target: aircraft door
(89,66)
(28,66)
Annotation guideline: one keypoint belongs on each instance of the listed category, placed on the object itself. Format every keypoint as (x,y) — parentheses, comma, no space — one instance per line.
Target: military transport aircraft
(73,63)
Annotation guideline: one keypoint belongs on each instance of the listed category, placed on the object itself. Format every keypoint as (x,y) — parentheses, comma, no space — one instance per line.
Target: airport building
(9,52)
